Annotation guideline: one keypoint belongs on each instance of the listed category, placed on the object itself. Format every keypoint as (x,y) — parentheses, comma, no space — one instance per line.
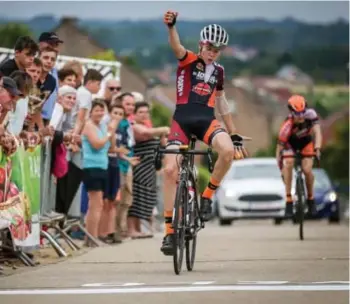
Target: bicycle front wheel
(179,225)
(191,237)
(300,209)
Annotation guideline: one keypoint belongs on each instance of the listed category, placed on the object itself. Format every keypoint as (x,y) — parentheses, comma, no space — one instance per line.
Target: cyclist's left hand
(240,152)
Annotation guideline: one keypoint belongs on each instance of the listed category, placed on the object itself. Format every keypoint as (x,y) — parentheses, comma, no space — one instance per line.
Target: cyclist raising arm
(199,89)
(300,131)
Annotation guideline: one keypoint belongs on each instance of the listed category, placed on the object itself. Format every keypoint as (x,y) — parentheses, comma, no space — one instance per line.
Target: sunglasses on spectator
(115,88)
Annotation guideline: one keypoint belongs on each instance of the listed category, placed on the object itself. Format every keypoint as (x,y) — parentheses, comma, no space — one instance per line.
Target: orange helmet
(297,103)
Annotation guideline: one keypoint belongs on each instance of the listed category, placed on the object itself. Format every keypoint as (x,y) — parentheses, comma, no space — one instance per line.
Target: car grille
(260,198)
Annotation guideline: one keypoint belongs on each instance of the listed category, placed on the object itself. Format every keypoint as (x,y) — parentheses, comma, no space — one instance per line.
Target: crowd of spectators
(102,147)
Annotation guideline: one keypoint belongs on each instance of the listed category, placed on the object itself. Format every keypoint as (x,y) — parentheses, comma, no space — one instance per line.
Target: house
(78,43)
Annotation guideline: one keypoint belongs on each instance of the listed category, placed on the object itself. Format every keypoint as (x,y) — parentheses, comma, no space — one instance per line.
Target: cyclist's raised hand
(170,18)
(240,152)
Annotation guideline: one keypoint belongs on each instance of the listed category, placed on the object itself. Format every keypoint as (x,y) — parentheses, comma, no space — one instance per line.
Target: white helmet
(215,35)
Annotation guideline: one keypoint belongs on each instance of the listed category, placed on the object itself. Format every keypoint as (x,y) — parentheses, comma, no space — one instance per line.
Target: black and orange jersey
(292,132)
(196,82)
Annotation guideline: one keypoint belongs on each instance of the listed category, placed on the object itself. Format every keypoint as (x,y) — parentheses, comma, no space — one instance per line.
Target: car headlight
(230,193)
(330,197)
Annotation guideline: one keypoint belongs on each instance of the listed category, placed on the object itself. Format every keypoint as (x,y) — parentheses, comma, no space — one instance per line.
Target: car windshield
(255,171)
(321,180)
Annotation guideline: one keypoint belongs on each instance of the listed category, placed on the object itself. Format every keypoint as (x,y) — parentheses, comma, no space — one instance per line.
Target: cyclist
(199,88)
(300,131)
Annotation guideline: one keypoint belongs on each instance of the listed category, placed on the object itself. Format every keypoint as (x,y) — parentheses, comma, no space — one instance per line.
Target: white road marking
(203,283)
(112,284)
(126,290)
(332,282)
(263,282)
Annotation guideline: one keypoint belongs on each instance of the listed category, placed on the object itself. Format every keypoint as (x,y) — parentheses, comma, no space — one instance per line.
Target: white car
(252,189)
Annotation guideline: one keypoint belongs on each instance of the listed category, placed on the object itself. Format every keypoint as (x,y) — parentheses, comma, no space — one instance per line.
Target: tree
(10,32)
(335,157)
(107,55)
(161,115)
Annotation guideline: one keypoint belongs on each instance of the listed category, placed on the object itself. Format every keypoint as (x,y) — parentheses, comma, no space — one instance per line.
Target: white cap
(138,96)
(66,89)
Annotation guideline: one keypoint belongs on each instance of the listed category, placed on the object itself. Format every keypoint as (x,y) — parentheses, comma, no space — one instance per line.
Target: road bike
(186,220)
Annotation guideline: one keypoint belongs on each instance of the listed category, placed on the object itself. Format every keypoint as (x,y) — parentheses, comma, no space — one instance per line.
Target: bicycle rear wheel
(300,207)
(179,225)
(191,237)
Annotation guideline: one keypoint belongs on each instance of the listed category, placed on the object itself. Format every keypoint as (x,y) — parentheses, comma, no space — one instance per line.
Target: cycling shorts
(305,145)
(193,119)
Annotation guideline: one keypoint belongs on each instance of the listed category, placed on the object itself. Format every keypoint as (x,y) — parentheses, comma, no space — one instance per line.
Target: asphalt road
(249,262)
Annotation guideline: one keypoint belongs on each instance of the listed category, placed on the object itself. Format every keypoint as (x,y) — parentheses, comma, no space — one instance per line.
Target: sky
(309,11)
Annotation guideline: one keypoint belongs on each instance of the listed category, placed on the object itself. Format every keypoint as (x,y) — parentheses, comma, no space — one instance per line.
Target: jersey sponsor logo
(202,89)
(300,132)
(200,66)
(201,76)
(180,83)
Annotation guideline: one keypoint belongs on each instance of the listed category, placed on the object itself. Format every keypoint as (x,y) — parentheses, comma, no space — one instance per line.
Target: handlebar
(184,150)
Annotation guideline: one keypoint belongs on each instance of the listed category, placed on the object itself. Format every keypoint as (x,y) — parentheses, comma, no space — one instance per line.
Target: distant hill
(283,35)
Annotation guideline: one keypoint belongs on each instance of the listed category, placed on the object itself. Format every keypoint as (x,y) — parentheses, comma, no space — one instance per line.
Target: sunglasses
(298,114)
(115,88)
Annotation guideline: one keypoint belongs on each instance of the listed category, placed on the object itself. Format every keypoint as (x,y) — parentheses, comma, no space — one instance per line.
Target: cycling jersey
(198,82)
(298,136)
(196,87)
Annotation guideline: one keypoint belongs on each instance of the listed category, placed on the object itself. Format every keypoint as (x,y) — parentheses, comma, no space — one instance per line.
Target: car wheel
(278,221)
(224,222)
(334,219)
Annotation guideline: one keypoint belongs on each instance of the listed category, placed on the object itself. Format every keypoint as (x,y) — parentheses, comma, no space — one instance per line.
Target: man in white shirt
(81,112)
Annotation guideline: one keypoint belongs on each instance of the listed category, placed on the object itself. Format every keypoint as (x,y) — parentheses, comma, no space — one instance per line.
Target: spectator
(112,89)
(17,117)
(126,161)
(96,141)
(144,175)
(8,96)
(25,50)
(67,77)
(138,97)
(50,40)
(35,98)
(68,187)
(92,84)
(108,219)
(66,101)
(47,84)
(77,67)
(35,70)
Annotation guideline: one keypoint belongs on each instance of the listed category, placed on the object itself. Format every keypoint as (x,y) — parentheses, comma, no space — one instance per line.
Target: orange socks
(289,199)
(168,216)
(210,189)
